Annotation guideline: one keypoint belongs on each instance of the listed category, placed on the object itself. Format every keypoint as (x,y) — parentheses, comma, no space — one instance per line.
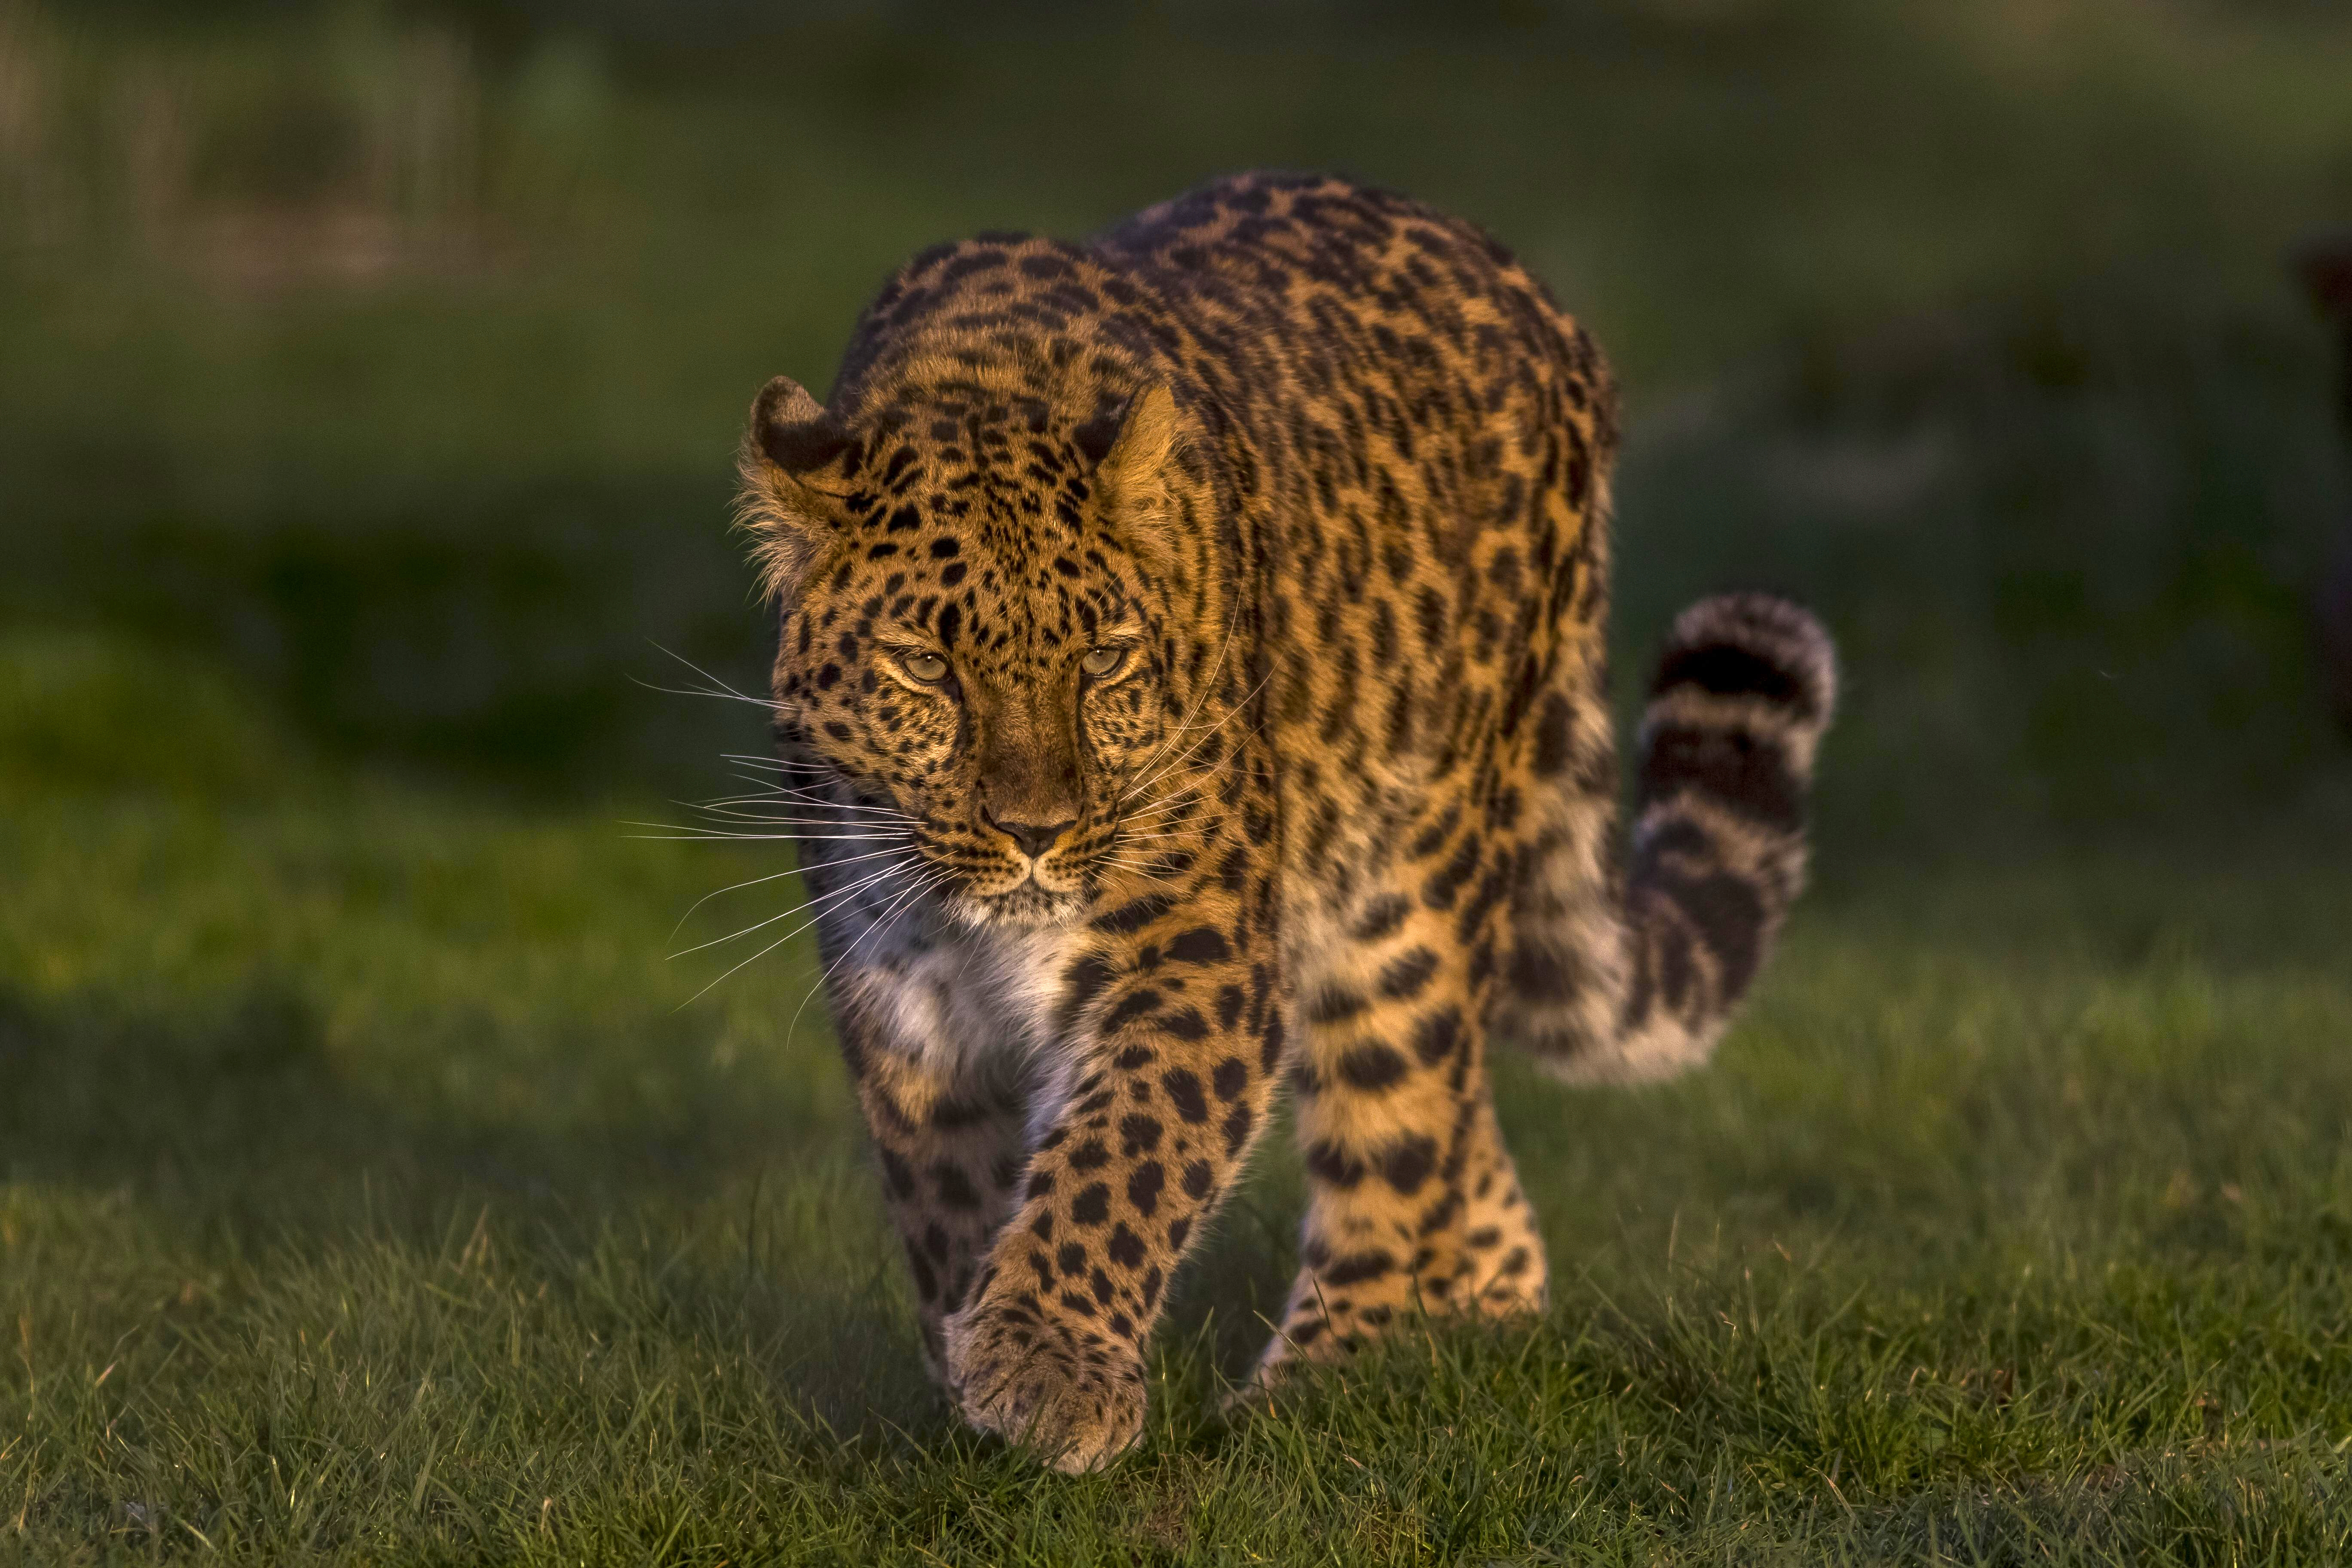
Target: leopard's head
(973,615)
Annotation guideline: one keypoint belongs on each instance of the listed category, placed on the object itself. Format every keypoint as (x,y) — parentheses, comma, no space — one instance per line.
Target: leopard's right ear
(1136,450)
(794,465)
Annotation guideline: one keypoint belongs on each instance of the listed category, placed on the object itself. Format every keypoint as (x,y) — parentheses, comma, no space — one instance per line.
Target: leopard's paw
(1066,1391)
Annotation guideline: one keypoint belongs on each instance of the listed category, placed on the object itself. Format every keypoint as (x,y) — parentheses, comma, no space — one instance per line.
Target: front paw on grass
(1068,1393)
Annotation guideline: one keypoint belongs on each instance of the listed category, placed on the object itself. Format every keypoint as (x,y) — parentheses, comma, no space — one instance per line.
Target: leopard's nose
(1033,837)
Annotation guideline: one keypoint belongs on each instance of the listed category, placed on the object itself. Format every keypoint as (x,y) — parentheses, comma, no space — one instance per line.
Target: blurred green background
(386,360)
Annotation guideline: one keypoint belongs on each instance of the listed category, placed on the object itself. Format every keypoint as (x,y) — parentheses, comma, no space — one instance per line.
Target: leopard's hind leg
(1414,1206)
(1505,909)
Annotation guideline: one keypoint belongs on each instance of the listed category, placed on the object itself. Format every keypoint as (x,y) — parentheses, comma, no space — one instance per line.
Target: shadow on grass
(232,1134)
(240,1113)
(261,1171)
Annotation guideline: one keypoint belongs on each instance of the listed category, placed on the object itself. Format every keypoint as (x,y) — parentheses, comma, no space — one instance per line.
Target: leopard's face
(977,651)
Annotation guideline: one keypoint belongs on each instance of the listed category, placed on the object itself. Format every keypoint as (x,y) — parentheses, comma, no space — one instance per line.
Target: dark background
(384,362)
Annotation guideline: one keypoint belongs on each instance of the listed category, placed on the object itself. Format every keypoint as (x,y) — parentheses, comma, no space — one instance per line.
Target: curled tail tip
(1755,650)
(1746,685)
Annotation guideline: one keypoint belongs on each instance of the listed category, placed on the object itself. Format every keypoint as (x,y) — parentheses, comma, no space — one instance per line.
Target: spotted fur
(1190,669)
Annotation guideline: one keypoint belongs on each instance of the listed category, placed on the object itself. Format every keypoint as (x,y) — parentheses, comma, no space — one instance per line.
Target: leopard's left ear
(1134,451)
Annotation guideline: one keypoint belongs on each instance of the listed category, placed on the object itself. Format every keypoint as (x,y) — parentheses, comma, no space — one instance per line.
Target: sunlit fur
(1036,532)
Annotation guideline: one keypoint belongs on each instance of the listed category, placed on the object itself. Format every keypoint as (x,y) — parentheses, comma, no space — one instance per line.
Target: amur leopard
(1190,680)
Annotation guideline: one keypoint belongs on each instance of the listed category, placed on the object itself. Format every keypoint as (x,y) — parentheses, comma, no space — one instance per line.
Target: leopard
(1189,688)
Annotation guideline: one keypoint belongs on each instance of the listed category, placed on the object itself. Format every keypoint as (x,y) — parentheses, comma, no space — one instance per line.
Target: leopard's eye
(1100,662)
(927,668)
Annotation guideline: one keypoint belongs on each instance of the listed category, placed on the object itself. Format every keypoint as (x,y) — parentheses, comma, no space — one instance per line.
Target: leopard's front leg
(1177,1031)
(948,1131)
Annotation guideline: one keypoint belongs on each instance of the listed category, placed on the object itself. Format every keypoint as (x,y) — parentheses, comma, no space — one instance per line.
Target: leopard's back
(1431,439)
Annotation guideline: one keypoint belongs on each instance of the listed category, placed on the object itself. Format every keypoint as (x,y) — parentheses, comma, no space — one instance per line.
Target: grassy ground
(370,1196)
(372,1189)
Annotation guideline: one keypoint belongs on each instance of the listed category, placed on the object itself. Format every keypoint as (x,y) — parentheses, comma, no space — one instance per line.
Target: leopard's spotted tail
(1610,986)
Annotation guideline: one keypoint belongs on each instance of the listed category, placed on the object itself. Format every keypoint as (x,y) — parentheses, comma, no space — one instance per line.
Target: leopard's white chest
(977,1003)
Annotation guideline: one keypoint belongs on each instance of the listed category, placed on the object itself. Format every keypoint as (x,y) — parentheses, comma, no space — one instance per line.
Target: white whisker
(771,763)
(1207,686)
(798,802)
(774,805)
(1175,799)
(1148,873)
(722,688)
(755,881)
(1239,708)
(731,814)
(1167,810)
(1201,778)
(787,936)
(801,792)
(692,691)
(716,836)
(714,892)
(937,876)
(865,881)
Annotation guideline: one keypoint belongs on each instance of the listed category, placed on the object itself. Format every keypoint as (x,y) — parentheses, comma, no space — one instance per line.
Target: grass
(368,1195)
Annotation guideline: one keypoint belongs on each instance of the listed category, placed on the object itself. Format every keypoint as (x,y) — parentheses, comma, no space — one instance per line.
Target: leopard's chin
(1026,906)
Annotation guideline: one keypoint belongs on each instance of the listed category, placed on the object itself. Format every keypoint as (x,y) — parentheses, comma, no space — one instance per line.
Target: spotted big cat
(1190,684)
